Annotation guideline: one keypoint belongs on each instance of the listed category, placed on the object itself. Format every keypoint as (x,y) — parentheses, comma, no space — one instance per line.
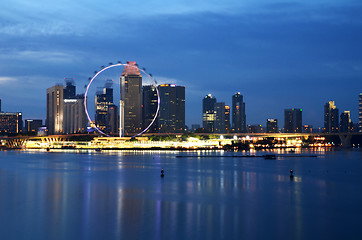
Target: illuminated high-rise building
(360,112)
(149,108)
(54,120)
(11,123)
(272,125)
(219,110)
(238,113)
(293,120)
(103,100)
(32,126)
(131,99)
(172,108)
(74,117)
(331,118)
(227,119)
(112,120)
(208,113)
(346,124)
(69,89)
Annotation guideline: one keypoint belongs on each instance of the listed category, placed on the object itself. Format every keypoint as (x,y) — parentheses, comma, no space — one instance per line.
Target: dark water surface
(120,195)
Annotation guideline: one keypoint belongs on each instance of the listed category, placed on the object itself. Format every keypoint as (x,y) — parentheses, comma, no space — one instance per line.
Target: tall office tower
(172,108)
(208,113)
(346,125)
(360,112)
(69,89)
(149,108)
(112,120)
(227,119)
(74,117)
(239,116)
(131,99)
(54,120)
(11,123)
(272,125)
(32,125)
(103,100)
(331,117)
(219,110)
(293,120)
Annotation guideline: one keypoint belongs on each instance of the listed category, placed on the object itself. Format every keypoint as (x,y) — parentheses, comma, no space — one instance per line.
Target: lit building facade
(149,108)
(331,118)
(227,119)
(256,128)
(69,89)
(171,117)
(238,114)
(131,100)
(219,110)
(103,100)
(293,120)
(11,123)
(346,125)
(32,125)
(208,113)
(272,125)
(54,118)
(112,120)
(74,117)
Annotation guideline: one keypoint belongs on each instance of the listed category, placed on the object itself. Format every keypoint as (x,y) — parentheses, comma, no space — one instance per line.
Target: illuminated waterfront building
(219,110)
(131,99)
(238,113)
(293,120)
(112,120)
(360,112)
(11,123)
(208,113)
(307,128)
(272,125)
(256,128)
(346,125)
(149,108)
(74,117)
(172,108)
(227,119)
(331,117)
(32,125)
(103,100)
(54,117)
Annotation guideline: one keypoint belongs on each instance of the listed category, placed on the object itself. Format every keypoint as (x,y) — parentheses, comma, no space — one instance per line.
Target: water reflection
(118,196)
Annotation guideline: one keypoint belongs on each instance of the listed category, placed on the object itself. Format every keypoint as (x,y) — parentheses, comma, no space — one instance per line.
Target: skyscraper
(272,125)
(293,120)
(69,89)
(11,123)
(32,125)
(74,117)
(54,120)
(238,113)
(227,119)
(331,117)
(131,99)
(208,113)
(149,108)
(360,112)
(219,110)
(112,120)
(346,125)
(172,108)
(103,100)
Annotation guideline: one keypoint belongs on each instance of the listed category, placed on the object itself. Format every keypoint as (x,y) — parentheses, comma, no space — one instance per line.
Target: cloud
(5,80)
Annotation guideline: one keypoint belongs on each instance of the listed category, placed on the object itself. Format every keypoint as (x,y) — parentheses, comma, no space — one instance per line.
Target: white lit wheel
(112,66)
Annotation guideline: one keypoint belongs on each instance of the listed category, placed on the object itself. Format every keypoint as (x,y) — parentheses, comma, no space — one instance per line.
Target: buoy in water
(162,175)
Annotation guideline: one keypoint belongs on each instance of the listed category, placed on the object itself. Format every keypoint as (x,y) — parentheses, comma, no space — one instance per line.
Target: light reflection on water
(118,195)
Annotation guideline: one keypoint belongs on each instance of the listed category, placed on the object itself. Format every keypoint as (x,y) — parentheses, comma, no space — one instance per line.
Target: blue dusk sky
(277,53)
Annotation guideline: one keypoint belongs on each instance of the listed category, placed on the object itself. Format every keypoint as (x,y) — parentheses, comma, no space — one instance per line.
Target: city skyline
(299,54)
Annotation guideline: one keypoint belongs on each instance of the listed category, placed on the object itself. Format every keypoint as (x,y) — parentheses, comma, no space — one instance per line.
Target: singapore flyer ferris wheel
(133,67)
